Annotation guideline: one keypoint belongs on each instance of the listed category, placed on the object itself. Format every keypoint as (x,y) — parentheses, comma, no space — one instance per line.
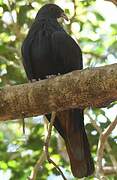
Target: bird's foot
(52,76)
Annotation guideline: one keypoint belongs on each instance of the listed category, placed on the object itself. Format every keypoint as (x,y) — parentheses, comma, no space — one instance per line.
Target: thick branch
(89,87)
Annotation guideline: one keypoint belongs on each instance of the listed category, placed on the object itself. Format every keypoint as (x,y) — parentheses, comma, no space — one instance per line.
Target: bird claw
(50,76)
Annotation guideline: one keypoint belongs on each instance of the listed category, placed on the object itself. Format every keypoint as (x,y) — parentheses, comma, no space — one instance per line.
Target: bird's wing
(26,58)
(67,51)
(26,51)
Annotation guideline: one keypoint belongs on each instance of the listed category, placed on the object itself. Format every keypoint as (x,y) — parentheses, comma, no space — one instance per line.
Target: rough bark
(87,88)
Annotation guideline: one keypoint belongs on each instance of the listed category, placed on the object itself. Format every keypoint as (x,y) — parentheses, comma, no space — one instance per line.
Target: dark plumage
(49,50)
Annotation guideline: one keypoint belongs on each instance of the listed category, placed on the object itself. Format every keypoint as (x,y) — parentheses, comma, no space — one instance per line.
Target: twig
(42,158)
(23,122)
(106,144)
(108,147)
(94,123)
(108,170)
(101,145)
(110,128)
(47,143)
(37,166)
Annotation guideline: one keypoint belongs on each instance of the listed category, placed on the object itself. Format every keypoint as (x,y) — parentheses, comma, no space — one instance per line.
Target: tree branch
(45,154)
(86,88)
(37,166)
(107,145)
(113,1)
(106,170)
(101,145)
(47,143)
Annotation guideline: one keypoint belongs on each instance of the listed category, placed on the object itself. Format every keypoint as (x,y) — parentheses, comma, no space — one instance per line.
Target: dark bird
(49,50)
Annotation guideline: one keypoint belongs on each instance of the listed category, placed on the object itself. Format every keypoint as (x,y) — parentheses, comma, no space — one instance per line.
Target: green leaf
(3,165)
(99,16)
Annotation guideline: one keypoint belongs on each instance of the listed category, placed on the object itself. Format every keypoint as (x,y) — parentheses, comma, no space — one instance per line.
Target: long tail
(70,125)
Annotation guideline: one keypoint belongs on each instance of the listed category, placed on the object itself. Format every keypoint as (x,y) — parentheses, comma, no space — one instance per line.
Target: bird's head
(51,11)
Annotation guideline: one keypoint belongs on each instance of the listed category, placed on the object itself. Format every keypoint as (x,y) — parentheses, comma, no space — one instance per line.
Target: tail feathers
(80,158)
(70,125)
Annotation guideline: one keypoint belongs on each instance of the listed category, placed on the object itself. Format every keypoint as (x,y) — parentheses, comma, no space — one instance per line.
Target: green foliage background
(19,153)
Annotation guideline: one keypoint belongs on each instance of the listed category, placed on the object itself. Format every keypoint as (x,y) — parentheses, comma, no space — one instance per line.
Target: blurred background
(93,24)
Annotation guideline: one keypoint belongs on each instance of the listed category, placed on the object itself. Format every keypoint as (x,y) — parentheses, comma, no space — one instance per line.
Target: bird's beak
(63,15)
